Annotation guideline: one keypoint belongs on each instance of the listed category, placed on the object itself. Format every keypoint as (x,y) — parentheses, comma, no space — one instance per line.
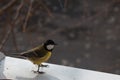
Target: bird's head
(49,45)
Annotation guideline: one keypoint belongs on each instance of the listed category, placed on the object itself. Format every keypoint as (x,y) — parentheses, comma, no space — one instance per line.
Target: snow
(20,69)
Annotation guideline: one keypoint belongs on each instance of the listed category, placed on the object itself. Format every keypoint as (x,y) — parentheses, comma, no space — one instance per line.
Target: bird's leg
(37,70)
(39,66)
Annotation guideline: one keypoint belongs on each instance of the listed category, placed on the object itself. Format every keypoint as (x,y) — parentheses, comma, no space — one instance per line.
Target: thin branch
(27,16)
(46,8)
(18,10)
(10,30)
(8,6)
(12,25)
(5,39)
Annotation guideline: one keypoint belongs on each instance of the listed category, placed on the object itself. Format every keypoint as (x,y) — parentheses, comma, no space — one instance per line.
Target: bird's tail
(16,55)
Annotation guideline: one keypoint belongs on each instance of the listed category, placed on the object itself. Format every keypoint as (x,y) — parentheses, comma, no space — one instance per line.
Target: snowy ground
(19,69)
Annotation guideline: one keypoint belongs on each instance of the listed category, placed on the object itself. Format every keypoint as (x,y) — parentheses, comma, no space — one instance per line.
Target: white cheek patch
(49,47)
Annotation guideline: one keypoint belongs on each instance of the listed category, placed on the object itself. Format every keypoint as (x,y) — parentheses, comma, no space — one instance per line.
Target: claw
(44,65)
(39,72)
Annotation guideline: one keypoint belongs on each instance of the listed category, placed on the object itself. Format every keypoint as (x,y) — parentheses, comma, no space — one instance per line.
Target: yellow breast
(40,60)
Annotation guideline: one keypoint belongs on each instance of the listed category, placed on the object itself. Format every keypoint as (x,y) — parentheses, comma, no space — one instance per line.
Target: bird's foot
(44,65)
(39,72)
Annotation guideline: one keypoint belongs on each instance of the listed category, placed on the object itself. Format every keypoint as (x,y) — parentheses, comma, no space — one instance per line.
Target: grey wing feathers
(29,54)
(35,52)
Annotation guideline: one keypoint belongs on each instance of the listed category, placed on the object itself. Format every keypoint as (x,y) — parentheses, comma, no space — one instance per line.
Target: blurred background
(87,31)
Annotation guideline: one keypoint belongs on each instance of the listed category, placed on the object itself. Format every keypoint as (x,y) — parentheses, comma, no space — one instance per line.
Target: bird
(40,54)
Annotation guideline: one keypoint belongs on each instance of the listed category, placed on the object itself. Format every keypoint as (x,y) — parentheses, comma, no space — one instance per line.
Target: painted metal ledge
(20,69)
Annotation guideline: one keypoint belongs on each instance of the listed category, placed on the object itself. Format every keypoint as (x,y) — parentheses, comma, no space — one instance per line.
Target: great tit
(40,54)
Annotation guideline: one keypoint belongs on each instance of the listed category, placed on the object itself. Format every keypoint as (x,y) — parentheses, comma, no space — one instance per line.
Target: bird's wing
(30,53)
(35,52)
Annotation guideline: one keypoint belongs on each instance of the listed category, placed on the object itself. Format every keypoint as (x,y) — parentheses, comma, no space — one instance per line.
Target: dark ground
(87,33)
